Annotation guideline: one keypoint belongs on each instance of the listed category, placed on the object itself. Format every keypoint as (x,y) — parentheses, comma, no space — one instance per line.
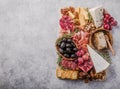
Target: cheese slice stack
(97,15)
(83,15)
(100,64)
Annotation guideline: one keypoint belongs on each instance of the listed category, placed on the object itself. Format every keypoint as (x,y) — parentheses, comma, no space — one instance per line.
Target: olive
(64,39)
(69,40)
(73,56)
(64,51)
(68,45)
(73,44)
(68,50)
(75,49)
(66,55)
(61,51)
(62,45)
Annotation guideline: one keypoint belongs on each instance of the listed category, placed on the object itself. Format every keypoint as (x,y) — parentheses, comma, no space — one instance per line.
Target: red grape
(80,60)
(85,57)
(107,26)
(82,52)
(106,20)
(79,53)
(113,23)
(111,19)
(107,16)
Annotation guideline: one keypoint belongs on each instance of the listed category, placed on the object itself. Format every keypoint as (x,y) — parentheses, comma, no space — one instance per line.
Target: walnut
(64,11)
(72,9)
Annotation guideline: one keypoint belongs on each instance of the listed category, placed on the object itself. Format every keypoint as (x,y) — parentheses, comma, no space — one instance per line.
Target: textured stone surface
(28,30)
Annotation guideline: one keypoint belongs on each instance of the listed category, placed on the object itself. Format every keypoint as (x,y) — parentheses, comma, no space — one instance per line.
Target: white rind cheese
(97,15)
(100,64)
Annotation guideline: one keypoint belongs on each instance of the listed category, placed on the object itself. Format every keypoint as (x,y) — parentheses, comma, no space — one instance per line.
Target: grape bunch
(84,61)
(108,21)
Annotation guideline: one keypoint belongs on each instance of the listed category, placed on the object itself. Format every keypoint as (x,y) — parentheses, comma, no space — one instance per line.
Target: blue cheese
(97,15)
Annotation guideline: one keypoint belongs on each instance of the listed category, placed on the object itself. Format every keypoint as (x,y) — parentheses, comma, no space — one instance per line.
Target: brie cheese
(100,64)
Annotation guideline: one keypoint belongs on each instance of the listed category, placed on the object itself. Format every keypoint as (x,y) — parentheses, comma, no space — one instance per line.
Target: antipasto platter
(84,43)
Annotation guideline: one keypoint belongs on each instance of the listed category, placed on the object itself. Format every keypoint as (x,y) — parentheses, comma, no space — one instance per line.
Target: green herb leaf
(59,59)
(64,36)
(105,55)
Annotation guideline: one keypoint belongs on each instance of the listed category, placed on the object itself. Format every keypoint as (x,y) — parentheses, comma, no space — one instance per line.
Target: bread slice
(66,73)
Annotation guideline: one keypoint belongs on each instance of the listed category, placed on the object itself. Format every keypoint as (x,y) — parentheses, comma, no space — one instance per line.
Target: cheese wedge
(97,15)
(100,64)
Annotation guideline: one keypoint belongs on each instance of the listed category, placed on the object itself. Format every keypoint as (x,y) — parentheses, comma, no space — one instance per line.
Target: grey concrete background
(28,30)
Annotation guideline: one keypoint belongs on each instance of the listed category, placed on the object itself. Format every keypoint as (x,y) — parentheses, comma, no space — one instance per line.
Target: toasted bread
(66,74)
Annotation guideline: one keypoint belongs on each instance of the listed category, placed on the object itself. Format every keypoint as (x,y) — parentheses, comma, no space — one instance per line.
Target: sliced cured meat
(69,64)
(66,23)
